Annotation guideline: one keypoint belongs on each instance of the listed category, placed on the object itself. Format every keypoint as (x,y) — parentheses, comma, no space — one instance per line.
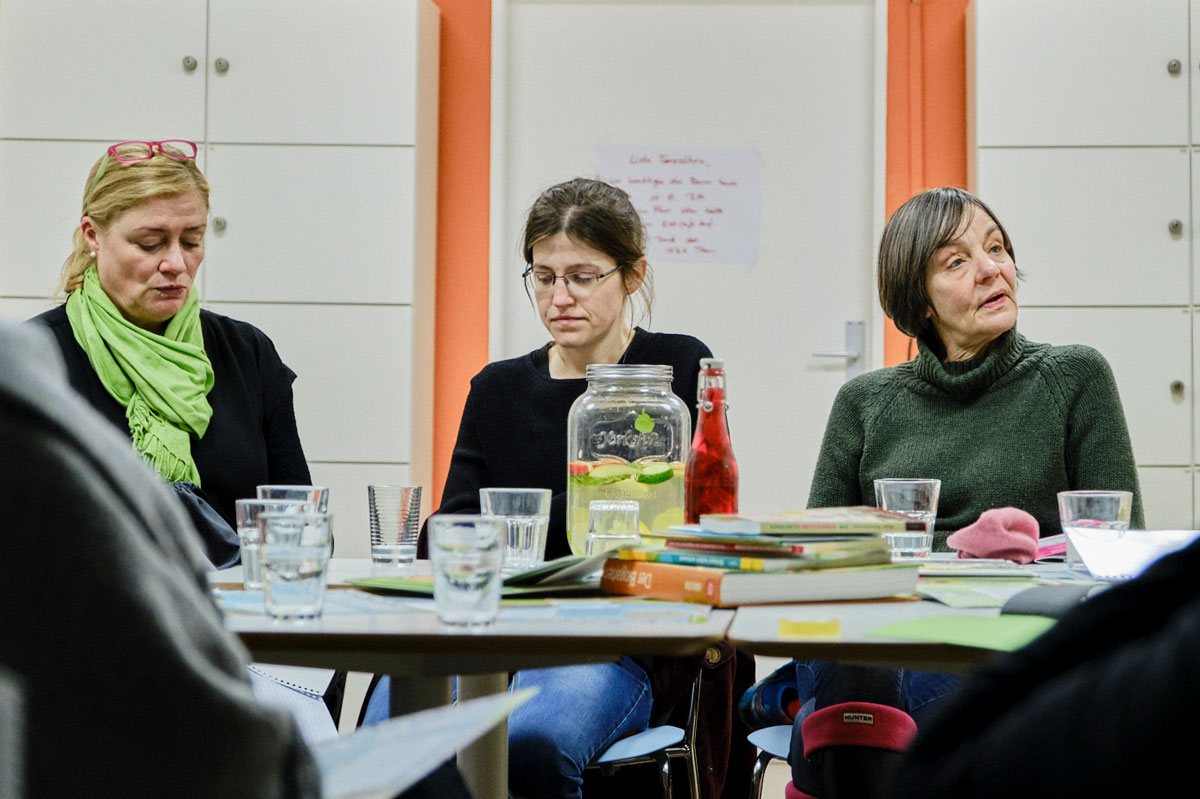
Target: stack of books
(822,554)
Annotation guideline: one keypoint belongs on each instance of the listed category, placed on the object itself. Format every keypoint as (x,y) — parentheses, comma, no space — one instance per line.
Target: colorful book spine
(711,559)
(773,549)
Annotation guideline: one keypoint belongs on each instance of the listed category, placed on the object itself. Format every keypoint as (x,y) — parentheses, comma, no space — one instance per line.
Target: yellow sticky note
(810,630)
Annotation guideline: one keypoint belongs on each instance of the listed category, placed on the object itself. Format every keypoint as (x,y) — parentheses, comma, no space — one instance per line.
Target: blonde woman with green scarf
(204,398)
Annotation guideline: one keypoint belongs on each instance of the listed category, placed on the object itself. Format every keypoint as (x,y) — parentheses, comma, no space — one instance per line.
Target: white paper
(1123,554)
(699,205)
(384,759)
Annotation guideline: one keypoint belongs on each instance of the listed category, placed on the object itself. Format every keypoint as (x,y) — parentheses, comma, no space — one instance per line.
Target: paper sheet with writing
(699,205)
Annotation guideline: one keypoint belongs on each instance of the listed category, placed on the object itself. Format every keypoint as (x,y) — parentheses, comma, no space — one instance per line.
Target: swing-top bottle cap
(712,363)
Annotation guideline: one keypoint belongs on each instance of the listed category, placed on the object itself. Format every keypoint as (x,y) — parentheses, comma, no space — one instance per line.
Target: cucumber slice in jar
(656,473)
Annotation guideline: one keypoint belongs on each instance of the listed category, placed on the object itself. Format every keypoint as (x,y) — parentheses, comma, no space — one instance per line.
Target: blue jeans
(822,683)
(579,712)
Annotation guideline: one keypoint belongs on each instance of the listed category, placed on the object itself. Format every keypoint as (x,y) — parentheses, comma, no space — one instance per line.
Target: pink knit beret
(1008,533)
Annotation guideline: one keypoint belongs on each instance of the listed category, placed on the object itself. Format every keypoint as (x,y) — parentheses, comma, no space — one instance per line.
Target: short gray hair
(926,222)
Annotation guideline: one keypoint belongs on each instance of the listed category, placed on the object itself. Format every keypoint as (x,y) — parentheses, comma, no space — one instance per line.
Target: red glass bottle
(711,480)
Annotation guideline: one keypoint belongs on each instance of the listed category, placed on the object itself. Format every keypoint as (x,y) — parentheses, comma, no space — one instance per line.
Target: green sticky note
(1003,633)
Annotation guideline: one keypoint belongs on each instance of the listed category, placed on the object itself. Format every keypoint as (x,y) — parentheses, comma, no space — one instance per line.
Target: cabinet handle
(221,65)
(189,63)
(1177,389)
(1175,226)
(219,224)
(1174,67)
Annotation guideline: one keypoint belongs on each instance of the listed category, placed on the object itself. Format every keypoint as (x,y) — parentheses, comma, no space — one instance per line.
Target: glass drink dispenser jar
(627,438)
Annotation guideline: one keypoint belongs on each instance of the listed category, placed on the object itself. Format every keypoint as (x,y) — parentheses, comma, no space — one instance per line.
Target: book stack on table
(822,554)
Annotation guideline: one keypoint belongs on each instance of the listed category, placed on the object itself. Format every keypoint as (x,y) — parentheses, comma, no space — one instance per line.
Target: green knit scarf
(162,381)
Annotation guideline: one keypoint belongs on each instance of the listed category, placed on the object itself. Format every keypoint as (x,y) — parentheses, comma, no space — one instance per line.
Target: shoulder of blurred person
(1095,706)
(129,676)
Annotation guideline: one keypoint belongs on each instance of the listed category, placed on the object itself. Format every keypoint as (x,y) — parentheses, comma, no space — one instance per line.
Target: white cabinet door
(313,71)
(353,364)
(310,224)
(1149,351)
(347,484)
(1167,497)
(41,194)
(111,71)
(1078,72)
(1092,226)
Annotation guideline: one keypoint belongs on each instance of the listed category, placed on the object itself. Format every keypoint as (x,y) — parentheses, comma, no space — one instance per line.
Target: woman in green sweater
(1001,420)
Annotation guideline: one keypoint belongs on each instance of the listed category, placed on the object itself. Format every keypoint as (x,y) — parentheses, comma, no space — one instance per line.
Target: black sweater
(252,438)
(514,426)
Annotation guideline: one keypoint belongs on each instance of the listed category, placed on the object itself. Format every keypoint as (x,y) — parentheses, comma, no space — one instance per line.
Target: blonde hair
(121,187)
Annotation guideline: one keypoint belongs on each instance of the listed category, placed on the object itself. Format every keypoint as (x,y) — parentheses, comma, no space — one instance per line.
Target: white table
(421,656)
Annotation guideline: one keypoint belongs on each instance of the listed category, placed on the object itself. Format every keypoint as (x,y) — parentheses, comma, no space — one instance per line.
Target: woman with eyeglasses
(585,266)
(205,398)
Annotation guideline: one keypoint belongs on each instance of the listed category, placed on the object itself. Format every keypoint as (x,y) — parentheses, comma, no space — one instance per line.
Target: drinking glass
(612,524)
(395,513)
(916,498)
(250,533)
(466,552)
(295,555)
(318,495)
(526,515)
(1081,511)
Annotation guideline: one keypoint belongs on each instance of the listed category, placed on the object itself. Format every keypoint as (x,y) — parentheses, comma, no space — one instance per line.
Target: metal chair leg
(664,774)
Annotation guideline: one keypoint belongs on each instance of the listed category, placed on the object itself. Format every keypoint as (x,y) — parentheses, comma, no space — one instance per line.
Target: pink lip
(995,300)
(566,319)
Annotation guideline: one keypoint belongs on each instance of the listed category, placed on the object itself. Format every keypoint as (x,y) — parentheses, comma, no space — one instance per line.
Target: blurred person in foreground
(127,682)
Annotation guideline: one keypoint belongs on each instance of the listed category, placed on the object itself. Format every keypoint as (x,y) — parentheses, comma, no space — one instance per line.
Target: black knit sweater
(514,426)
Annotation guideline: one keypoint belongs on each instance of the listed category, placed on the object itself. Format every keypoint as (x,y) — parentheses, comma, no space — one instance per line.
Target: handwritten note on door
(699,205)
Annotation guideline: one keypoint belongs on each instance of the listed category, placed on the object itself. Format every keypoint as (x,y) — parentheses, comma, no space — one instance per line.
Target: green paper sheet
(1003,633)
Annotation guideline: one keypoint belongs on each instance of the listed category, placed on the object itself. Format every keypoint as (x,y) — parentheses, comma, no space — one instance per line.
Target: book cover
(722,588)
(771,561)
(858,519)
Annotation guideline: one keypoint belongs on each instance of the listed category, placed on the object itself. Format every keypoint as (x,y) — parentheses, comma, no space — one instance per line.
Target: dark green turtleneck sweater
(1012,428)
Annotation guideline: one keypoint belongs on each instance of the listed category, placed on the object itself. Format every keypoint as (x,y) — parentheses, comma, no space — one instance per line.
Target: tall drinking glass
(318,495)
(526,515)
(295,555)
(916,498)
(1082,511)
(250,533)
(466,552)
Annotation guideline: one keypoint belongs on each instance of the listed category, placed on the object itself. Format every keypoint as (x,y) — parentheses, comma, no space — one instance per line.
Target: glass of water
(1092,513)
(295,555)
(466,553)
(916,498)
(318,495)
(526,515)
(250,533)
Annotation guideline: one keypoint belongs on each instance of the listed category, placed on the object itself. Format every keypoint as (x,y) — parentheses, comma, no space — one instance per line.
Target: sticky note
(810,630)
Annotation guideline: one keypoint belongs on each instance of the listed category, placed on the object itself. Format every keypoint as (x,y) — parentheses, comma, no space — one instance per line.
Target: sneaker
(772,700)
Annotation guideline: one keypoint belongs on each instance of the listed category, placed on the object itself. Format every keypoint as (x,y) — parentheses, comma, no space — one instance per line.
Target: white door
(799,82)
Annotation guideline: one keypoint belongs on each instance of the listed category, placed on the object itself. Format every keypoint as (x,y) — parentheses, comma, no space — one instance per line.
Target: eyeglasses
(579,284)
(142,151)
